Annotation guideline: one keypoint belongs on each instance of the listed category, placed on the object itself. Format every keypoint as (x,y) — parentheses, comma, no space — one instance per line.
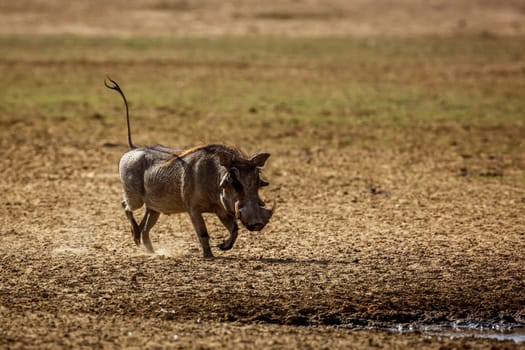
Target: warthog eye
(234,179)
(237,186)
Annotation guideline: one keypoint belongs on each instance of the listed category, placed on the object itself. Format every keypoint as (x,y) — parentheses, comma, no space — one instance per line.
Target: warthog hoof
(225,245)
(136,238)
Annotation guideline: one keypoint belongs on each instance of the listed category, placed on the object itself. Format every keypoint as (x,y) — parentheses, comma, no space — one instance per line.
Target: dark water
(499,331)
(517,336)
(503,331)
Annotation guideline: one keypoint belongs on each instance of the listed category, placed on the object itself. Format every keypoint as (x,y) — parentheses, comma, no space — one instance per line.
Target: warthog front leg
(200,228)
(150,219)
(230,223)
(135,229)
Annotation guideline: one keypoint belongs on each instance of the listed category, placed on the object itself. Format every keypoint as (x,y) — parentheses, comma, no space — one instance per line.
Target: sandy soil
(428,231)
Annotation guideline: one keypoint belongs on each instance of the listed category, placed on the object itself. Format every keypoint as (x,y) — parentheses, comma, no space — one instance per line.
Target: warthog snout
(253,215)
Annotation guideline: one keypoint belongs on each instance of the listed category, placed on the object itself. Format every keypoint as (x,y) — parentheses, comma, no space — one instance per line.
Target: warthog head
(240,189)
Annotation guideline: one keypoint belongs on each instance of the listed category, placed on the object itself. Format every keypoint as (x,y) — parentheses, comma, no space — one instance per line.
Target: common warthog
(205,179)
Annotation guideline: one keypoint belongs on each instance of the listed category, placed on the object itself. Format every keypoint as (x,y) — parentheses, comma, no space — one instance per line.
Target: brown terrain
(430,231)
(358,18)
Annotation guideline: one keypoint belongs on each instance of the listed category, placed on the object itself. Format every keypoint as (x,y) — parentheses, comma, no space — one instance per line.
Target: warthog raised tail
(206,179)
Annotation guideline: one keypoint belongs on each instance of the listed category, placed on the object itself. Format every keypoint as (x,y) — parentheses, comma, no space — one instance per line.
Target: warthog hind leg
(150,219)
(135,229)
(230,223)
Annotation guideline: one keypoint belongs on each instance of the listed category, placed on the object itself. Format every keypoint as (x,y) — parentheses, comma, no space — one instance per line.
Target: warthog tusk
(274,206)
(237,212)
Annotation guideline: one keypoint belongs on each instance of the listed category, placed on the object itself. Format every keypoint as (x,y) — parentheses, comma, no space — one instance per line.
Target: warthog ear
(225,159)
(259,159)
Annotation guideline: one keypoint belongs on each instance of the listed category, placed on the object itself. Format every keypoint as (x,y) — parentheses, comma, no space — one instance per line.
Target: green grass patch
(474,81)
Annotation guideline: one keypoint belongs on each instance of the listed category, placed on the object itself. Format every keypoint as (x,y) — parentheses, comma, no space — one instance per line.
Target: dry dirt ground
(423,228)
(362,237)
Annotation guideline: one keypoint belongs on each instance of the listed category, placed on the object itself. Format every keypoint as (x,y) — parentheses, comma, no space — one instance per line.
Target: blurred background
(357,18)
